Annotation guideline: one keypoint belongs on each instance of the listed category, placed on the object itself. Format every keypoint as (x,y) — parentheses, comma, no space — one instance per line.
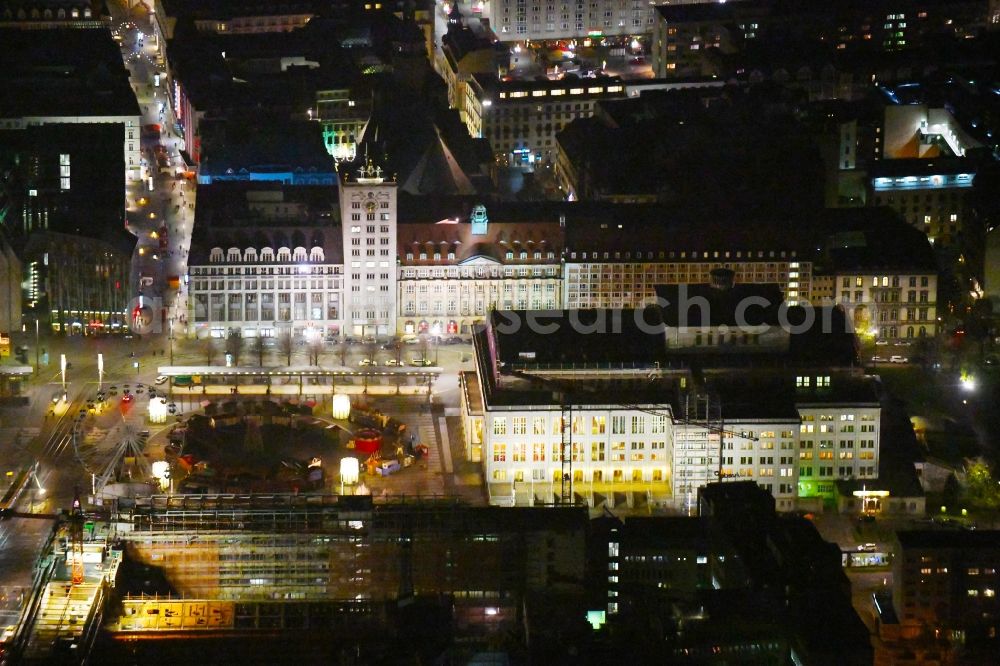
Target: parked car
(454,340)
(367,361)
(393,362)
(162,379)
(896,358)
(881,341)
(422,362)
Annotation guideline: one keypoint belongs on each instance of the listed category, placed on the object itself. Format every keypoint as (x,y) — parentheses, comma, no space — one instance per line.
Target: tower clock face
(371,206)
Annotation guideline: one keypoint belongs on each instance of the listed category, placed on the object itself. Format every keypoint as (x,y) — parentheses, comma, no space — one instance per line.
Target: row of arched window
(266,255)
(47,13)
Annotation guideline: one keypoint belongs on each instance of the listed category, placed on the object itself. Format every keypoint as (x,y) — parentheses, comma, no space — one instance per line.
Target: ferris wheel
(126,461)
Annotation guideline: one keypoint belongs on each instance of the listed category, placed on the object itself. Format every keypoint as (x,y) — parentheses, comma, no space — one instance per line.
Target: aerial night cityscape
(500,332)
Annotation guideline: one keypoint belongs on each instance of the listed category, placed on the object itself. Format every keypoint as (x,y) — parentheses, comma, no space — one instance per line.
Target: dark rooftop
(526,339)
(255,214)
(455,237)
(768,394)
(958,539)
(708,11)
(703,305)
(232,147)
(63,73)
(873,240)
(870,239)
(226,9)
(922,167)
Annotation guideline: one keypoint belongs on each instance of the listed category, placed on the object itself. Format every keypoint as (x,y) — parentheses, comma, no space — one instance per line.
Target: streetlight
(62,369)
(37,364)
(100,371)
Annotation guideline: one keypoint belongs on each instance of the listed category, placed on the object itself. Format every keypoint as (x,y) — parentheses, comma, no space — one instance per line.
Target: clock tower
(368,218)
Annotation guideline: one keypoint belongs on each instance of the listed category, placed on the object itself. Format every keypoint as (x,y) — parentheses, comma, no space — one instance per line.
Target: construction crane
(76,519)
(565,392)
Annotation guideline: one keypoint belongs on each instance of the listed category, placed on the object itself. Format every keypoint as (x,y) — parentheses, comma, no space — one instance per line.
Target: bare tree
(210,348)
(257,348)
(286,344)
(235,344)
(371,351)
(397,350)
(314,348)
(342,352)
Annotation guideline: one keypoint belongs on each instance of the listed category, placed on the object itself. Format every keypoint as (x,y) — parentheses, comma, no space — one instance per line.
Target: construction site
(367,572)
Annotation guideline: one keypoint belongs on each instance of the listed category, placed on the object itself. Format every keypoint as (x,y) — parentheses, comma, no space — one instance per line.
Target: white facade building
(442,268)
(650,431)
(451,274)
(615,450)
(263,290)
(368,213)
(284,272)
(517,20)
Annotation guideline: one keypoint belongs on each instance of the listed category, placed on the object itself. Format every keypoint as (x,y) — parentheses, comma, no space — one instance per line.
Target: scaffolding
(344,548)
(699,437)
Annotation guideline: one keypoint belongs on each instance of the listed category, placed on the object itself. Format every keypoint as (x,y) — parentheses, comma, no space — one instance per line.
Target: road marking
(445,446)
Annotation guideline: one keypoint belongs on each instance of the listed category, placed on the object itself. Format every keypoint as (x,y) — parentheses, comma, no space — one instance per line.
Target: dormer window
(802,382)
